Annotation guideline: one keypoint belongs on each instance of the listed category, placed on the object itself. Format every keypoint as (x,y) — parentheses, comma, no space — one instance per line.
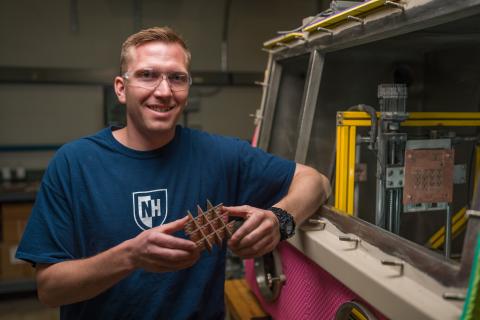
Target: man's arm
(309,189)
(154,250)
(260,232)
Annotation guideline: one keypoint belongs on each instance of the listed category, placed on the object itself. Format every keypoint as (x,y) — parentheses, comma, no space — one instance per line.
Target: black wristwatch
(286,222)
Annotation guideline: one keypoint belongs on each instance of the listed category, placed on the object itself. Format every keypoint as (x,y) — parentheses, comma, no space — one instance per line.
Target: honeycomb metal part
(428,176)
(209,228)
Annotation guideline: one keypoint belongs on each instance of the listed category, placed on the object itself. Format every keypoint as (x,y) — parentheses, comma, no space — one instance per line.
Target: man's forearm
(153,250)
(308,190)
(77,280)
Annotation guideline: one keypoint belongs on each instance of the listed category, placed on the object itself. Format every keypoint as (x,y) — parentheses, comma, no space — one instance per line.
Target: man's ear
(119,85)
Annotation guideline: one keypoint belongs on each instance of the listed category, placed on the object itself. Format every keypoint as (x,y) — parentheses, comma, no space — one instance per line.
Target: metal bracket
(261,83)
(394,177)
(314,224)
(283,45)
(454,296)
(350,239)
(429,144)
(316,221)
(435,206)
(399,264)
(257,116)
(357,19)
(325,30)
(395,4)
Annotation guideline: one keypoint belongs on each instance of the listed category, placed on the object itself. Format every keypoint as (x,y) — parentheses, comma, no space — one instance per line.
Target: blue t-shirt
(97,193)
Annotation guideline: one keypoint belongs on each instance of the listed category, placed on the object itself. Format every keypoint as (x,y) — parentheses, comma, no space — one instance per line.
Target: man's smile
(161,108)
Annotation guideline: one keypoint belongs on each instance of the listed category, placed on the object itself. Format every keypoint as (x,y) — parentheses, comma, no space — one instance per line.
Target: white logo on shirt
(150,208)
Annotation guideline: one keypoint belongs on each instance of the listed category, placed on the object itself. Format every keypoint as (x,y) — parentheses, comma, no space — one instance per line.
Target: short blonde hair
(162,34)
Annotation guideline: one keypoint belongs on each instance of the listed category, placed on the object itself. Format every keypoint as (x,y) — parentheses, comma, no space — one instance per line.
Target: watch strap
(286,222)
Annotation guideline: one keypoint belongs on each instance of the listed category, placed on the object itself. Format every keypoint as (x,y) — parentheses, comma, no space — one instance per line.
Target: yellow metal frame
(329,21)
(342,16)
(345,158)
(286,38)
(347,123)
(415,119)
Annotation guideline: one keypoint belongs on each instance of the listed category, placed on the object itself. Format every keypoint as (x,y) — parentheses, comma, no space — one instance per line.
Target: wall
(46,34)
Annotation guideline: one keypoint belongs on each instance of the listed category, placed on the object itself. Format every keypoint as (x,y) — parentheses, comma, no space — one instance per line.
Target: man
(106,231)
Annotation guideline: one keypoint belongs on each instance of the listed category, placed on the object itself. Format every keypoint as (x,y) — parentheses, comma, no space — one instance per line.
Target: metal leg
(380,191)
(448,232)
(398,210)
(390,208)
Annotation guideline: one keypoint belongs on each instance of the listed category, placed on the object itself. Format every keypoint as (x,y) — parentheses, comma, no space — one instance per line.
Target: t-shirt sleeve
(48,236)
(264,179)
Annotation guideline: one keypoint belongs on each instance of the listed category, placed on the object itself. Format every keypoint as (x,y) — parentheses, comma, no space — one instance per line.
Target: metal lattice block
(428,176)
(210,227)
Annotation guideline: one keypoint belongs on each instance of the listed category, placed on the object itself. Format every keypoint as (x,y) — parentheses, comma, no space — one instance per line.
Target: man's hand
(156,250)
(258,235)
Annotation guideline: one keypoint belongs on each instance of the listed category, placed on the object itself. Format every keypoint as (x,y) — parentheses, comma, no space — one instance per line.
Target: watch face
(289,227)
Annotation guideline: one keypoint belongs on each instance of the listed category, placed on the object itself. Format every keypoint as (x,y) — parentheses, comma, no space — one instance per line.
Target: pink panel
(309,292)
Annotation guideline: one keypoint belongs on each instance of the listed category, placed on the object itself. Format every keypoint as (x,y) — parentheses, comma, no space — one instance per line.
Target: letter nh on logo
(150,208)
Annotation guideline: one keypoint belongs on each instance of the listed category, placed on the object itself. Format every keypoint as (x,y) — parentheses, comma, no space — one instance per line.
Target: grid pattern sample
(209,227)
(428,176)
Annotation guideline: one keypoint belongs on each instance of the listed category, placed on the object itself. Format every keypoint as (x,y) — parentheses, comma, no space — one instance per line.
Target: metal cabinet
(432,48)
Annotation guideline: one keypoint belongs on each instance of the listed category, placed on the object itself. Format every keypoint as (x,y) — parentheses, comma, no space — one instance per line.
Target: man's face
(153,112)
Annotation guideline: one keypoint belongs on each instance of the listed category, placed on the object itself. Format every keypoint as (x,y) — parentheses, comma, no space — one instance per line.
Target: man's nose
(163,87)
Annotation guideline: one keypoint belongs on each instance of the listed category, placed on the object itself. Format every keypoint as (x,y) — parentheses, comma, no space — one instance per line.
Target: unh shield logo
(150,208)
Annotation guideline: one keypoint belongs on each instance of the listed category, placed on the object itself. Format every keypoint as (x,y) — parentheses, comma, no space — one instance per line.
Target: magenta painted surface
(309,292)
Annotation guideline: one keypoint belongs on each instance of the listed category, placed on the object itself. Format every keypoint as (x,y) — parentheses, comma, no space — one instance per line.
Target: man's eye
(146,75)
(178,77)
